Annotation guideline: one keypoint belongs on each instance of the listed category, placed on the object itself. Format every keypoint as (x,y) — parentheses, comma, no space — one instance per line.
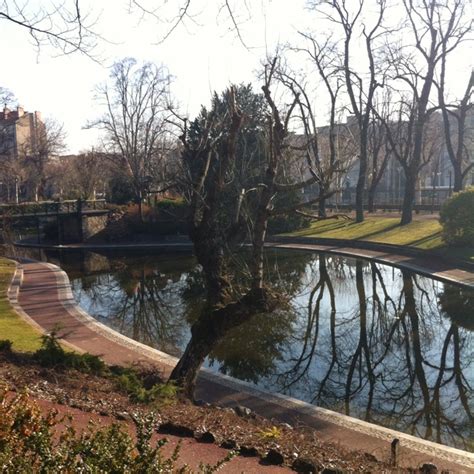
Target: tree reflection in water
(368,340)
(140,298)
(394,358)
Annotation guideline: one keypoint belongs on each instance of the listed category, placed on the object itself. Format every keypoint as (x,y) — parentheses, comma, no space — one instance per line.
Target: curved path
(41,293)
(429,264)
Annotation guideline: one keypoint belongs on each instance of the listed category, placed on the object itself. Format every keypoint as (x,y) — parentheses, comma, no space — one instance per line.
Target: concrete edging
(405,250)
(66,297)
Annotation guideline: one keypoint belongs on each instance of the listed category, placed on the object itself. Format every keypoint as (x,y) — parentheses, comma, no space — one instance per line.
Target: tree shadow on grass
(425,239)
(375,232)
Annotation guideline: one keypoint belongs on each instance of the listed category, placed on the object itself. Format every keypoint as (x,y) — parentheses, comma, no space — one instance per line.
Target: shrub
(289,221)
(457,219)
(160,393)
(28,444)
(120,190)
(51,354)
(5,345)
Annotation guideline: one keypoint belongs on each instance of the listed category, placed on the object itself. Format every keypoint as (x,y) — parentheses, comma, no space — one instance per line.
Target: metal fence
(45,208)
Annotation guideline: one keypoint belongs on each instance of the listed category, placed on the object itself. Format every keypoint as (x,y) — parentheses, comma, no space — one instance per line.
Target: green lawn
(24,337)
(422,234)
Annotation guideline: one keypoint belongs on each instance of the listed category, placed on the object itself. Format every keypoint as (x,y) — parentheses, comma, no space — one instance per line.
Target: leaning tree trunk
(199,346)
(210,329)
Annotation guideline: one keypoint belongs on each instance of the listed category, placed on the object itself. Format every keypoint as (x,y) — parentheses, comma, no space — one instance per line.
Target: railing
(46,208)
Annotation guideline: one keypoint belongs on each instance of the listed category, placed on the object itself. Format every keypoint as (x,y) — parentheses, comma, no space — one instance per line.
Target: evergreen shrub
(457,219)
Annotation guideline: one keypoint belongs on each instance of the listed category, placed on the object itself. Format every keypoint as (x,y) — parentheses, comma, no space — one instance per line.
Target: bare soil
(268,441)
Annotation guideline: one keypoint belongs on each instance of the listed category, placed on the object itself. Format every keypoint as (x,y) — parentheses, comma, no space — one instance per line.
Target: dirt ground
(207,432)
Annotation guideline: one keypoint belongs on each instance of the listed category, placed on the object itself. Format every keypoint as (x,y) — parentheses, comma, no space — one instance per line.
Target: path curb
(376,246)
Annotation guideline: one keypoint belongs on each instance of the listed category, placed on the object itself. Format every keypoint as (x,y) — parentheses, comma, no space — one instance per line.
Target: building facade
(19,131)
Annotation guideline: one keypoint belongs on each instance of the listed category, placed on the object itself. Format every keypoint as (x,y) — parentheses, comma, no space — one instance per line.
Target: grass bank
(422,234)
(12,327)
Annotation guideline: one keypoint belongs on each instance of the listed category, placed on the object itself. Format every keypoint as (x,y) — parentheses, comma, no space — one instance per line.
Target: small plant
(29,443)
(132,384)
(457,219)
(5,345)
(271,433)
(51,354)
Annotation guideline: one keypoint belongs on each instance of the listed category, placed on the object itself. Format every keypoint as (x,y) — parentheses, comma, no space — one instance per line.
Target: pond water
(378,343)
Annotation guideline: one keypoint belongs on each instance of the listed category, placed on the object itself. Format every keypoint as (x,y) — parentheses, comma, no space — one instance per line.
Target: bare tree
(135,123)
(47,141)
(61,25)
(326,148)
(437,28)
(80,176)
(182,12)
(359,87)
(6,96)
(456,128)
(379,154)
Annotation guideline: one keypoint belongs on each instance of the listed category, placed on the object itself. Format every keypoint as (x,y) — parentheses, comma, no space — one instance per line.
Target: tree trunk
(210,329)
(322,204)
(371,199)
(186,370)
(361,182)
(408,199)
(140,207)
(458,185)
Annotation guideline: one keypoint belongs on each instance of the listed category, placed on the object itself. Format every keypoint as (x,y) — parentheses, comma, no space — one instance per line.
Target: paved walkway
(431,265)
(45,298)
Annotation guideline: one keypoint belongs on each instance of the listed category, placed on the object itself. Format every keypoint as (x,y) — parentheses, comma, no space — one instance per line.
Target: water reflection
(139,297)
(371,341)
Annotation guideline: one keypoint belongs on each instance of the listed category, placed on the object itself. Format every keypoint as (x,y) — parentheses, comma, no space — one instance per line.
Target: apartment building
(19,132)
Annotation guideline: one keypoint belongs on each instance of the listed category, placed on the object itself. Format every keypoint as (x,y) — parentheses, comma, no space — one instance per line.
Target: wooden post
(394,452)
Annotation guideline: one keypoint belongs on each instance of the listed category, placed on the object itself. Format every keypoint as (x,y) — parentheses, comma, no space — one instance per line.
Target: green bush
(6,345)
(120,190)
(130,382)
(172,216)
(288,221)
(457,219)
(51,354)
(29,443)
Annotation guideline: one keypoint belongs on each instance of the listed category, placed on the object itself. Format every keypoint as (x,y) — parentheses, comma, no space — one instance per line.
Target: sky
(202,55)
